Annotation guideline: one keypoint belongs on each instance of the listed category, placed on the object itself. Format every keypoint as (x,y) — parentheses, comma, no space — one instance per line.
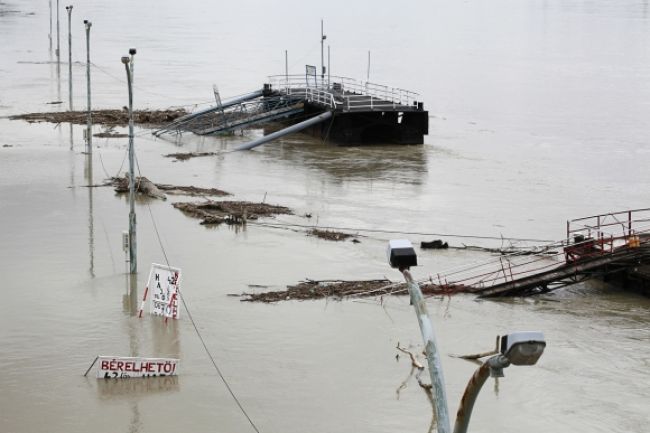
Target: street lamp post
(517,348)
(89,118)
(133,261)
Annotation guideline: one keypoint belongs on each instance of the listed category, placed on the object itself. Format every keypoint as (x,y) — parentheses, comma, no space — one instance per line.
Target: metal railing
(587,238)
(345,93)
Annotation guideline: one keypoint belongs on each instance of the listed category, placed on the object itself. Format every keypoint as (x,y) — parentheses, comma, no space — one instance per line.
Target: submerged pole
(133,260)
(69,9)
(433,357)
(89,119)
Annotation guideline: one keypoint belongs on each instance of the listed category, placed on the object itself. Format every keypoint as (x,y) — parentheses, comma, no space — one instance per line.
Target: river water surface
(539,113)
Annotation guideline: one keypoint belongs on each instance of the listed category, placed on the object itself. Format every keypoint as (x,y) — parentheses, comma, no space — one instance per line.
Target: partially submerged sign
(164,285)
(113,367)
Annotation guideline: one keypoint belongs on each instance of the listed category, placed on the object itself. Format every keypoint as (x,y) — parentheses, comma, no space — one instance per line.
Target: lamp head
(125,60)
(523,348)
(401,254)
(132,51)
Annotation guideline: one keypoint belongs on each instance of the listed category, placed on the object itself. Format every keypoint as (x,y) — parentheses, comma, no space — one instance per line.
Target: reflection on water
(88,175)
(404,164)
(117,389)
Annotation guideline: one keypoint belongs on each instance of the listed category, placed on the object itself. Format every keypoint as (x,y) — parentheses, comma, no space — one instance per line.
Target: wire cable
(196,328)
(401,232)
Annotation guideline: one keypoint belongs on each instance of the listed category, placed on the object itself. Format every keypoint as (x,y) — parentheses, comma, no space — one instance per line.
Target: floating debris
(230,212)
(193,191)
(109,132)
(105,117)
(329,235)
(184,156)
(339,289)
(155,190)
(434,245)
(142,186)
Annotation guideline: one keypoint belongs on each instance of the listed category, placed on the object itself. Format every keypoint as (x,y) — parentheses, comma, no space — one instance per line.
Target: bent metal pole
(133,259)
(430,348)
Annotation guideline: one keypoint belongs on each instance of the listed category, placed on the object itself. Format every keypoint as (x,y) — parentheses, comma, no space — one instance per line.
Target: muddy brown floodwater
(538,113)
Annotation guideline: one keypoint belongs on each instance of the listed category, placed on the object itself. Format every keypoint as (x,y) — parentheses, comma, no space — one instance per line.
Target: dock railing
(346,93)
(587,238)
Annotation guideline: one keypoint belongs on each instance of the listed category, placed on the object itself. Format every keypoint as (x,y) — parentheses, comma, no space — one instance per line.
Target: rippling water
(538,114)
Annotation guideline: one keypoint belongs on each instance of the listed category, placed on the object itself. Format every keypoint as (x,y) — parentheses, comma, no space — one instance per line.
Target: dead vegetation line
(112,117)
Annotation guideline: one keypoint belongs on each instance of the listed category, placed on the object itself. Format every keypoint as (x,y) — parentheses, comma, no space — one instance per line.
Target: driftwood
(339,289)
(191,190)
(155,190)
(105,117)
(142,186)
(414,362)
(229,212)
(183,156)
(329,235)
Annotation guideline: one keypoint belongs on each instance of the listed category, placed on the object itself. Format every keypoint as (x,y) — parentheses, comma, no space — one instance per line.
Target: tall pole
(322,53)
(430,348)
(69,9)
(286,67)
(133,260)
(50,35)
(89,119)
(58,38)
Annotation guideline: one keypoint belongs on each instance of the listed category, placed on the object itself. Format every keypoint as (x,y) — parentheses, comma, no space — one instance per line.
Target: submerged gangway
(595,246)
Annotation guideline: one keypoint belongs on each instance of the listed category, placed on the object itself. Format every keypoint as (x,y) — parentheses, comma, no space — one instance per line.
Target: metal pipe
(69,9)
(291,129)
(132,220)
(430,348)
(492,366)
(89,120)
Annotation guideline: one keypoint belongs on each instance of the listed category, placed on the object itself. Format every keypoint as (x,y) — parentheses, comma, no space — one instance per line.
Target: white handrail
(351,93)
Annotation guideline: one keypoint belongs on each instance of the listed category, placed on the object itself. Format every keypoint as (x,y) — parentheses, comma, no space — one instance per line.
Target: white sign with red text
(115,367)
(163,287)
